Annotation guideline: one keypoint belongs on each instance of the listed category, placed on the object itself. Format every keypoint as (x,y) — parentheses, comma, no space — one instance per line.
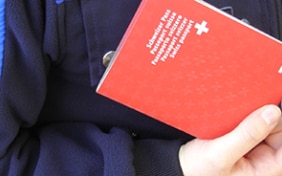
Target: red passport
(189,65)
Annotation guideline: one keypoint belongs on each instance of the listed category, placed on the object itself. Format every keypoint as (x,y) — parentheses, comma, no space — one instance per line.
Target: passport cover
(191,66)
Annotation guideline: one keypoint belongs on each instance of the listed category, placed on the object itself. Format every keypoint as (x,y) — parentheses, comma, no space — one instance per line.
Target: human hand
(254,148)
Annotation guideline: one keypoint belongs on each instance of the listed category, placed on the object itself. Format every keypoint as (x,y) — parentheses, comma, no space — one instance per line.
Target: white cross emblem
(202,28)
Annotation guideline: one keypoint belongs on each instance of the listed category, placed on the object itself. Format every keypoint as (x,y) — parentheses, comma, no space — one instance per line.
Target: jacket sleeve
(23,66)
(30,43)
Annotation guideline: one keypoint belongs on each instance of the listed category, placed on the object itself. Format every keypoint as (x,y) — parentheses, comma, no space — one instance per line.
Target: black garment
(278,7)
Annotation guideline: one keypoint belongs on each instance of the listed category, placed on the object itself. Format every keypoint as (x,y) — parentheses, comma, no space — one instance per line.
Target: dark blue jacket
(51,120)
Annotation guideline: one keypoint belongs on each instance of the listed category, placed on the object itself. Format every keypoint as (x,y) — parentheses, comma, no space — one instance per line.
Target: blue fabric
(2,32)
(61,1)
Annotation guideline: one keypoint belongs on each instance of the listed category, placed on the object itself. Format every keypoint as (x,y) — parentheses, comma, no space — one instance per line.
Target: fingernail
(271,115)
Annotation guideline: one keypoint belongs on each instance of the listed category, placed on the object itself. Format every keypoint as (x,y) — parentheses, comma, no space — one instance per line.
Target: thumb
(249,133)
